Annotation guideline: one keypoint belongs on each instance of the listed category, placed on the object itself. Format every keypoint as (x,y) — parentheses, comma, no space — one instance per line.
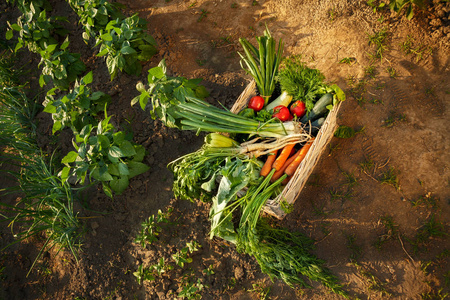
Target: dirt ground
(383,241)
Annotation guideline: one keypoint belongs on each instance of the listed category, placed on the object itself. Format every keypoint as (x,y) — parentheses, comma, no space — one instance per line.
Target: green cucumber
(319,109)
(315,126)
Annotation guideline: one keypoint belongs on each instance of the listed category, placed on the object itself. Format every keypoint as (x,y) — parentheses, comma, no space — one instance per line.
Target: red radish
(256,103)
(282,113)
(298,109)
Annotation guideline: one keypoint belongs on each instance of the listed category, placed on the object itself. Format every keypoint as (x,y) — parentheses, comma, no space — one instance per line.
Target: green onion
(262,63)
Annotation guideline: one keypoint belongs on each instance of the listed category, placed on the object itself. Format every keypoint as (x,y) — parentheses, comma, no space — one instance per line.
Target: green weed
(355,249)
(371,71)
(426,200)
(341,195)
(390,177)
(347,60)
(419,51)
(392,72)
(261,289)
(373,283)
(379,40)
(332,14)
(393,119)
(209,271)
(203,14)
(367,165)
(432,228)
(46,202)
(390,231)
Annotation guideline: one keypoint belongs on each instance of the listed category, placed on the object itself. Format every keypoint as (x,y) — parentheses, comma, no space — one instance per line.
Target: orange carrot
(267,167)
(286,180)
(280,172)
(281,159)
(302,153)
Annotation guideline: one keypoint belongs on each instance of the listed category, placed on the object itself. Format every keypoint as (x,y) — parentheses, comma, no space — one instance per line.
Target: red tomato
(256,103)
(281,112)
(298,109)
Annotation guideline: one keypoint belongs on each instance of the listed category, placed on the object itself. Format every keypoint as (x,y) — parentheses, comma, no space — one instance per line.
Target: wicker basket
(298,180)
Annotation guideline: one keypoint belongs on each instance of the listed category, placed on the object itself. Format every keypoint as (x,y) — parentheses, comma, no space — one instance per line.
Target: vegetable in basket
(178,103)
(262,63)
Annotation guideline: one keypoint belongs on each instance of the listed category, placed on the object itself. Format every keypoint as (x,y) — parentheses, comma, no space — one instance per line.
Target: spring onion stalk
(195,115)
(178,102)
(262,63)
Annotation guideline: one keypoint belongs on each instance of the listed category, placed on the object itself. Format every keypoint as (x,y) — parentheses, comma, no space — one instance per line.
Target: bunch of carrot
(286,162)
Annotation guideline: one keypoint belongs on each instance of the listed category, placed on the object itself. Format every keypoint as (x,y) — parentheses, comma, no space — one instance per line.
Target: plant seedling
(379,39)
(432,228)
(261,290)
(390,231)
(347,60)
(390,177)
(355,250)
(426,200)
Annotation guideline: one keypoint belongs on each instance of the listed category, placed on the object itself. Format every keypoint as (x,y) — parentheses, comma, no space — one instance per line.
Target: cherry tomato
(256,103)
(282,113)
(298,109)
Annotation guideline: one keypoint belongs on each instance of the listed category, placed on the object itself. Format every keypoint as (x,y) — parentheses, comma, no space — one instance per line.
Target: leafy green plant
(399,5)
(95,15)
(371,71)
(392,72)
(126,44)
(35,30)
(376,6)
(149,274)
(181,257)
(345,132)
(78,108)
(203,14)
(60,66)
(106,156)
(142,274)
(374,284)
(150,228)
(191,290)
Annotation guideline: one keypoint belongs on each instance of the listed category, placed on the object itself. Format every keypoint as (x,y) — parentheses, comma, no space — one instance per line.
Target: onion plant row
(45,206)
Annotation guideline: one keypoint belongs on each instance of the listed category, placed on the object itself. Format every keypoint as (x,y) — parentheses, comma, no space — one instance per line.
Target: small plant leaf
(127,50)
(127,149)
(115,151)
(119,185)
(70,157)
